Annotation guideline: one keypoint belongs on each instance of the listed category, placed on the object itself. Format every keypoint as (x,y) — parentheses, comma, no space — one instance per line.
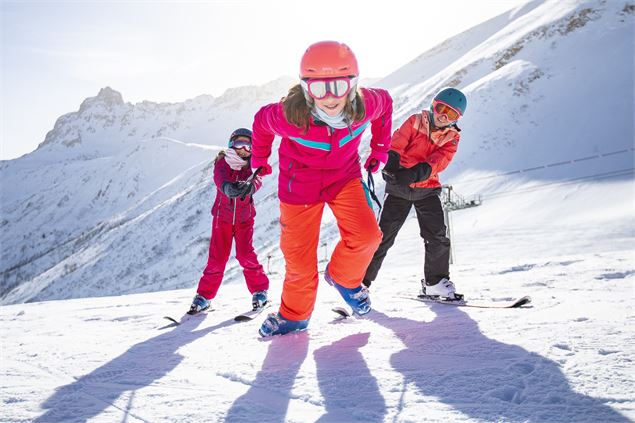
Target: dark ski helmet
(453,98)
(240,132)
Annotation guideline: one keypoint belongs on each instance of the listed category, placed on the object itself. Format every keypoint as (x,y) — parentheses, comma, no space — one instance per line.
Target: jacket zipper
(234,219)
(292,176)
(233,200)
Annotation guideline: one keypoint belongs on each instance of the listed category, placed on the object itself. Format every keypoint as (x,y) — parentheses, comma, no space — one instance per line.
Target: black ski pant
(432,230)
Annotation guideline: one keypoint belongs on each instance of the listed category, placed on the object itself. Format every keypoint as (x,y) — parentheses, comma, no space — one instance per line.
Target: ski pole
(370,183)
(250,182)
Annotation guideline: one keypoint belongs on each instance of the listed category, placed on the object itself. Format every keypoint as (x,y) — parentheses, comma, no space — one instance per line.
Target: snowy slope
(116,200)
(566,359)
(540,81)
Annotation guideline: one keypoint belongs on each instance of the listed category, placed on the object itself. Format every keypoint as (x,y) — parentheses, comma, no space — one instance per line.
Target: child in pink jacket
(321,121)
(233,219)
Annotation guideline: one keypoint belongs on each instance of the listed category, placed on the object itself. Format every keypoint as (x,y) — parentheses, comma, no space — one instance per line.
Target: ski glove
(246,188)
(418,173)
(393,161)
(392,166)
(423,171)
(236,189)
(257,162)
(374,160)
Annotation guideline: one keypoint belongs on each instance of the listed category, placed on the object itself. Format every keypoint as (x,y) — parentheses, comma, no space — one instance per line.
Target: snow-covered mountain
(116,199)
(116,177)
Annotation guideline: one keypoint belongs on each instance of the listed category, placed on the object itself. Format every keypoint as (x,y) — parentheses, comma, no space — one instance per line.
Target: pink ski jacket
(232,210)
(314,166)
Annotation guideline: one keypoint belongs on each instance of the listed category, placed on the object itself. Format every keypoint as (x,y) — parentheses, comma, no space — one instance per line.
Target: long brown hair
(297,109)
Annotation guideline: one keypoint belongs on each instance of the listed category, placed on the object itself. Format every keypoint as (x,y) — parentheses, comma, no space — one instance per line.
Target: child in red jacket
(233,219)
(421,149)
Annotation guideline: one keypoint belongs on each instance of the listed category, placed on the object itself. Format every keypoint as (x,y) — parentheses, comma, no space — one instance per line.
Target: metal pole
(448,232)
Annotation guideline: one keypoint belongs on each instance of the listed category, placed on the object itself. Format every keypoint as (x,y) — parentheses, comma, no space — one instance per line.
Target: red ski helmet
(328,59)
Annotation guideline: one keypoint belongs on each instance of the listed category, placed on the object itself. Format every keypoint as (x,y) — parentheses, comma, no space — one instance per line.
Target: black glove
(389,177)
(232,189)
(405,176)
(246,188)
(393,162)
(417,173)
(422,171)
(392,165)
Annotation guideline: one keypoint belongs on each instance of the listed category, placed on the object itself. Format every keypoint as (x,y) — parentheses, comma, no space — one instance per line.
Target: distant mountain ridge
(116,199)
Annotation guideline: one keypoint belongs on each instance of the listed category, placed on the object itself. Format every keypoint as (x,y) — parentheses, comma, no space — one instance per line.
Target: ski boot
(199,304)
(357,298)
(443,290)
(259,299)
(275,324)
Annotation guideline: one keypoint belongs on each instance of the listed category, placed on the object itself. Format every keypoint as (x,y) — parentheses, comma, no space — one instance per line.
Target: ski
(187,316)
(342,312)
(517,303)
(252,314)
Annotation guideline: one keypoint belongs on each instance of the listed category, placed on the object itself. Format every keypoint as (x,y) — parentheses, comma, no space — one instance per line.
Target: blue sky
(55,54)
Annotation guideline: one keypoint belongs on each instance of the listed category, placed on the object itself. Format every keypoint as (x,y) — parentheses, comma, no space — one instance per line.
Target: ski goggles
(441,108)
(322,88)
(241,145)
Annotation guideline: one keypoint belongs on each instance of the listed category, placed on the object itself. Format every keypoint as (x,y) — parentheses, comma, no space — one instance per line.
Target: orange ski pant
(299,237)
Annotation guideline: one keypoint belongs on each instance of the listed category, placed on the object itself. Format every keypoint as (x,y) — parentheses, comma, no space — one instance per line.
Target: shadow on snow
(451,360)
(136,368)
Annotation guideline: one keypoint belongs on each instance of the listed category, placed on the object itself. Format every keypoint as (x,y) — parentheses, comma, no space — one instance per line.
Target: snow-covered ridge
(116,200)
(105,123)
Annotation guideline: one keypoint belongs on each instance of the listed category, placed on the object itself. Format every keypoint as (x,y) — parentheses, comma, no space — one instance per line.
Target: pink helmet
(328,59)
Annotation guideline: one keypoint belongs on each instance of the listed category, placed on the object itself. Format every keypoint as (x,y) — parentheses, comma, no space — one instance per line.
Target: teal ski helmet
(453,98)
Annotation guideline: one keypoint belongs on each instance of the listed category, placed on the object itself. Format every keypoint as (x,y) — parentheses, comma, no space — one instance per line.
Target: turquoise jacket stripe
(325,145)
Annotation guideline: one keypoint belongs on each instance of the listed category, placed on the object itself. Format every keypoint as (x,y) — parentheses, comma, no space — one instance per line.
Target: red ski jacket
(416,142)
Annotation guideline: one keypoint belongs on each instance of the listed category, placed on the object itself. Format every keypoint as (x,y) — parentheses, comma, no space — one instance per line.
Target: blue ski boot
(275,324)
(259,299)
(357,298)
(199,304)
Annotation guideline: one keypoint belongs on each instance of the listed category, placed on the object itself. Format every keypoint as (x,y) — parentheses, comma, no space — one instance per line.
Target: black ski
(517,303)
(187,316)
(342,312)
(252,314)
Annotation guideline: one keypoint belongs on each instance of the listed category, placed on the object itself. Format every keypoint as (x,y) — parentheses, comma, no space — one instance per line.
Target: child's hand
(405,176)
(392,164)
(374,160)
(418,173)
(262,163)
(246,188)
(232,189)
